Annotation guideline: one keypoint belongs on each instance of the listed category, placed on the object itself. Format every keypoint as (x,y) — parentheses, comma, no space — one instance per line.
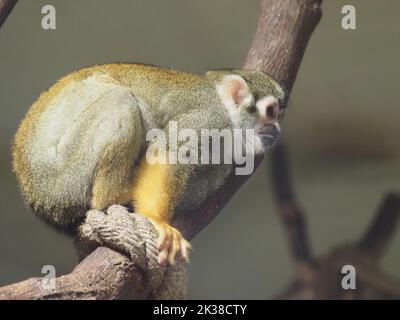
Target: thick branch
(284,29)
(104,274)
(5,9)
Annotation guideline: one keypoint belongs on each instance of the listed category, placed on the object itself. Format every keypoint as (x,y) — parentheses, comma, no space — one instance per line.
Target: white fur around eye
(263,103)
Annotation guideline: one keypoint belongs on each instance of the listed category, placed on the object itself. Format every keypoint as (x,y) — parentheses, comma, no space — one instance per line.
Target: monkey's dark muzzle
(270,134)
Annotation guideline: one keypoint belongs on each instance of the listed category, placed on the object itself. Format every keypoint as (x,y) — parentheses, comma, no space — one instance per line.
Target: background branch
(382,228)
(321,278)
(284,29)
(290,212)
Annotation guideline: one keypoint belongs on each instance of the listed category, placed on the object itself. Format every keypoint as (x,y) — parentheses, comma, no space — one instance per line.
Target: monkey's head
(254,101)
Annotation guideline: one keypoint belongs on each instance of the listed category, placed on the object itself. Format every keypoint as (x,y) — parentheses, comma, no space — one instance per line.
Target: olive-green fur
(87,133)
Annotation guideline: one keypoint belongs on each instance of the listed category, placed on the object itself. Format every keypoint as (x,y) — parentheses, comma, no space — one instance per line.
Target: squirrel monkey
(82,144)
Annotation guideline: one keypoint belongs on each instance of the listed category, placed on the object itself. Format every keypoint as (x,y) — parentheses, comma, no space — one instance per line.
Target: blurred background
(342,127)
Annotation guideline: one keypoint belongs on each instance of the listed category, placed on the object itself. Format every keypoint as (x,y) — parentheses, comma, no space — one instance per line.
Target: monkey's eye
(271,112)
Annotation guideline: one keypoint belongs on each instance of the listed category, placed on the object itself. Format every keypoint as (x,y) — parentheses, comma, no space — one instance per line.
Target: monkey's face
(262,115)
(253,104)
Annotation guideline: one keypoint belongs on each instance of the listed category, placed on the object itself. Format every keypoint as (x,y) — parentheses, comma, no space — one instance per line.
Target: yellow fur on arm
(152,193)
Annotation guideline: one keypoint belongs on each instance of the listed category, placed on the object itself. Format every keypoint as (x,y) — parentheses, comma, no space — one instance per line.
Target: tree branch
(284,29)
(383,227)
(291,213)
(320,278)
(6,7)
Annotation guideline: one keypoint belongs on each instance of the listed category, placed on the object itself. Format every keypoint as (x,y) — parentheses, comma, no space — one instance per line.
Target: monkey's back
(56,147)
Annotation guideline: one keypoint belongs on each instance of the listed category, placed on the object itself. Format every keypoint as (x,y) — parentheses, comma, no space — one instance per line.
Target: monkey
(82,144)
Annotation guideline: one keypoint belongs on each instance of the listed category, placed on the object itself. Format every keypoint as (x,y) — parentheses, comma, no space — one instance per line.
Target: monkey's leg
(154,195)
(120,139)
(116,141)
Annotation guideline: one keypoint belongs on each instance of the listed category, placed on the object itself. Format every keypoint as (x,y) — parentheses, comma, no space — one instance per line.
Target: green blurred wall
(342,126)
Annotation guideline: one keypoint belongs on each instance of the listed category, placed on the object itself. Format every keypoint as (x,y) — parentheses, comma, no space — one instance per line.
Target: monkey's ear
(232,90)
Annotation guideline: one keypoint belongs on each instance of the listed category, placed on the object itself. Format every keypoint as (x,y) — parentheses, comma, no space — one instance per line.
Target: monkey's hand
(134,235)
(117,228)
(171,243)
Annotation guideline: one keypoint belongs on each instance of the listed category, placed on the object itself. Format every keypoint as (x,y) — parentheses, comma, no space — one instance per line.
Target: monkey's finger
(164,246)
(162,257)
(184,248)
(162,237)
(174,248)
(161,233)
(169,247)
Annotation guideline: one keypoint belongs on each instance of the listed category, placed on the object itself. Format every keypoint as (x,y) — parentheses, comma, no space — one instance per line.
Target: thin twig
(290,212)
(381,230)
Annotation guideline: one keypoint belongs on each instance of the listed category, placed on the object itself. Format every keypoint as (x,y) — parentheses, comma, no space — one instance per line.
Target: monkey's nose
(277,128)
(272,129)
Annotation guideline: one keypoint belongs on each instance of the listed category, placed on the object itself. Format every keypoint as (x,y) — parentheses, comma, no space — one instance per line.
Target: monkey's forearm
(155,196)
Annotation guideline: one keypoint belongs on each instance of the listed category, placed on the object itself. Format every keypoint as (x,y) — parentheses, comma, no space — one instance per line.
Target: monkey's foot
(171,243)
